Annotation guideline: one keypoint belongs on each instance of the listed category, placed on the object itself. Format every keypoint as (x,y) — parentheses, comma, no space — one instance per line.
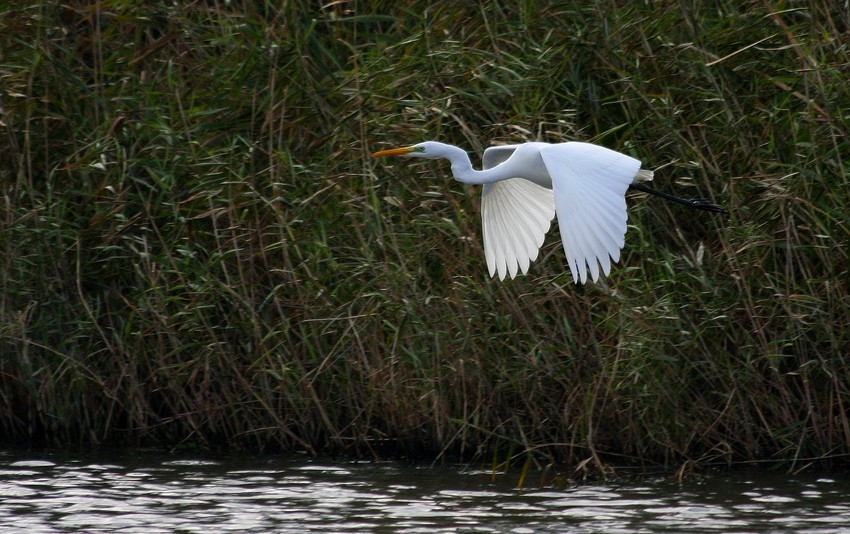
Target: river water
(150,492)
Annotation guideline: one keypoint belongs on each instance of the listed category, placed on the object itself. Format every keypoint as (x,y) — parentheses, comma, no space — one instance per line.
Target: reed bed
(198,251)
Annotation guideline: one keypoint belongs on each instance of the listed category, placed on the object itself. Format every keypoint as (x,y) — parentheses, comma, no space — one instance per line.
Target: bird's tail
(643,175)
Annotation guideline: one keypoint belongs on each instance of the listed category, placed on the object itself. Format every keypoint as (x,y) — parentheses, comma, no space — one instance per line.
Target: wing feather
(589,183)
(515,216)
(611,215)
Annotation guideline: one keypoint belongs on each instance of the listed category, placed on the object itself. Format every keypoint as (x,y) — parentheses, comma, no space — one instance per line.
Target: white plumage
(526,185)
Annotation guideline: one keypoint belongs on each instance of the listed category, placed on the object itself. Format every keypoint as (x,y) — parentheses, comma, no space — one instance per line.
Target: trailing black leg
(698,203)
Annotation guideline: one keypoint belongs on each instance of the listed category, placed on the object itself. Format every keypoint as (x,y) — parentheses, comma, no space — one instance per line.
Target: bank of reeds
(196,249)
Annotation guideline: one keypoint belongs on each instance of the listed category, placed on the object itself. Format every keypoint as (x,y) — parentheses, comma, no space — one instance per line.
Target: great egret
(526,185)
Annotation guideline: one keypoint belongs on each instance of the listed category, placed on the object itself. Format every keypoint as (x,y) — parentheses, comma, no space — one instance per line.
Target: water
(146,492)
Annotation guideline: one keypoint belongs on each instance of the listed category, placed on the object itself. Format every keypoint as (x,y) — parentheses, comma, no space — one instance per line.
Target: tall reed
(197,249)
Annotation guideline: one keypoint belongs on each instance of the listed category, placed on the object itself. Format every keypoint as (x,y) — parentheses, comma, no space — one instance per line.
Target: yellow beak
(394,152)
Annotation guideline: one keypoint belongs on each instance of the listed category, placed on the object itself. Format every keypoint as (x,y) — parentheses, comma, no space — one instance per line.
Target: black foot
(704,204)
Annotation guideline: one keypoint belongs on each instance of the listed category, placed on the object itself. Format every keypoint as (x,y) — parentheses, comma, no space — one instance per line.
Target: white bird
(526,185)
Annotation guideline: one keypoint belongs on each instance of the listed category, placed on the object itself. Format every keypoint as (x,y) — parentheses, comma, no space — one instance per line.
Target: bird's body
(526,185)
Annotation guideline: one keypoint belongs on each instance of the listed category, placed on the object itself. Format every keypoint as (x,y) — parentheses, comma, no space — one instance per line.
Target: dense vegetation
(198,250)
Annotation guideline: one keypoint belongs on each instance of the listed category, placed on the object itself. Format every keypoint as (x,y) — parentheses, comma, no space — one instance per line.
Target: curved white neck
(463,172)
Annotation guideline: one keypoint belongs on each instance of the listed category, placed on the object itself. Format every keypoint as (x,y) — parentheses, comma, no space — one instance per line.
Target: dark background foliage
(197,248)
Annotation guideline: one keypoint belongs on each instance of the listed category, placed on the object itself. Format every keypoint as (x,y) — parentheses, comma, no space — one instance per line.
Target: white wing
(515,216)
(589,183)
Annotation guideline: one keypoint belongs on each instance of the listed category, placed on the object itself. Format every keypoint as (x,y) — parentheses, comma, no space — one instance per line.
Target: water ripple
(150,493)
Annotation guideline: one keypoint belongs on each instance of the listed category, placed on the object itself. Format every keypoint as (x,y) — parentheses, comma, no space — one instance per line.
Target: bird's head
(428,150)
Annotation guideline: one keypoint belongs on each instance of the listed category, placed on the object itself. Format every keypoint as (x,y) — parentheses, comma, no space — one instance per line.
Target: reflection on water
(151,493)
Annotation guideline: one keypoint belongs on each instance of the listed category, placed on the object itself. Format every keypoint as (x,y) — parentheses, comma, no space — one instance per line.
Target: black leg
(698,203)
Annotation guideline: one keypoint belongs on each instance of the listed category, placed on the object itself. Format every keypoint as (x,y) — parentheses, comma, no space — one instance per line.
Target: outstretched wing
(515,216)
(589,183)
